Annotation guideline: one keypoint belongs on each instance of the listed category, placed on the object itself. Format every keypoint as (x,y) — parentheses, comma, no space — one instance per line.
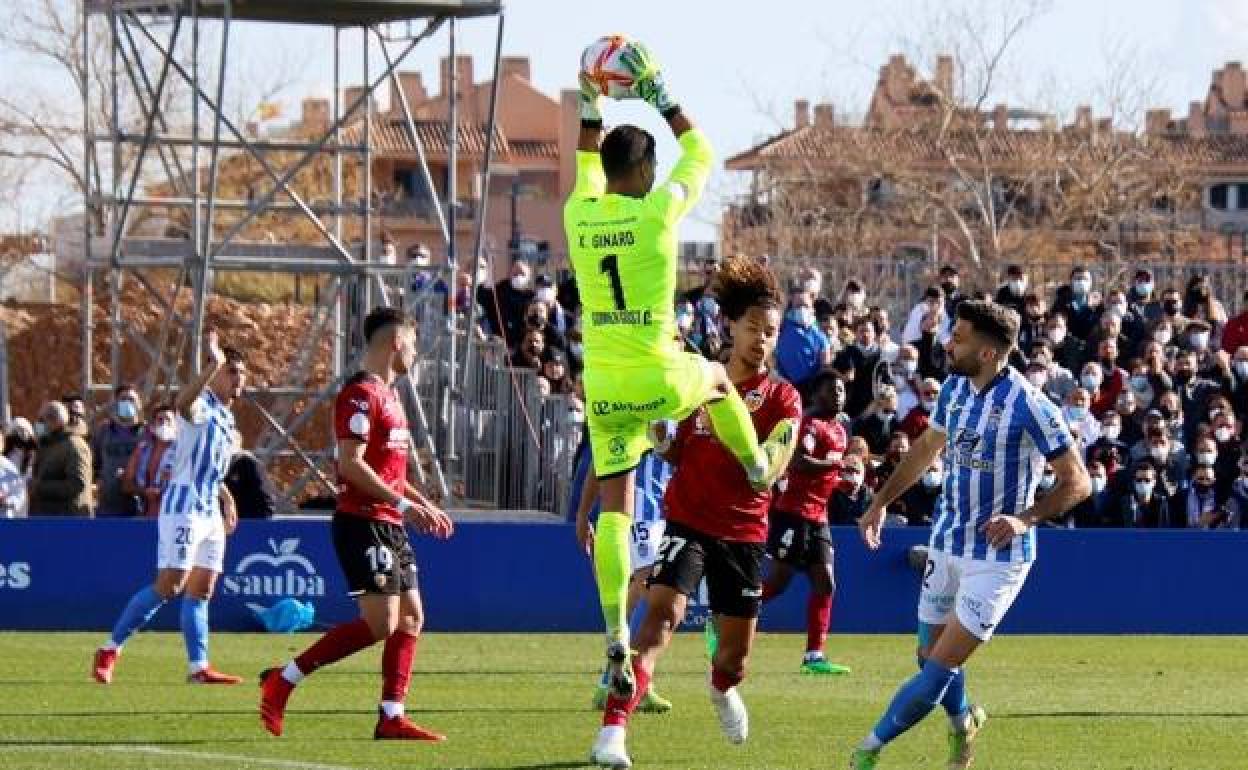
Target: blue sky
(738,66)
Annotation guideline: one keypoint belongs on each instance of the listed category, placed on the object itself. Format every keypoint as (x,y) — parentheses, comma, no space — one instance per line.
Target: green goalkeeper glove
(648,82)
(590,100)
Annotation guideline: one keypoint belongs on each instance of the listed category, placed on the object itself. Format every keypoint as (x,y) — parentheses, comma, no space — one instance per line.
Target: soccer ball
(600,63)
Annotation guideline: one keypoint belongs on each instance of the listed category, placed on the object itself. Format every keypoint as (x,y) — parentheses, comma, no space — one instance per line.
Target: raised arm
(191,392)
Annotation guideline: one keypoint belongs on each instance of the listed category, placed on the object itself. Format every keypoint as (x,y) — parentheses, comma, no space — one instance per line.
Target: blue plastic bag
(287,616)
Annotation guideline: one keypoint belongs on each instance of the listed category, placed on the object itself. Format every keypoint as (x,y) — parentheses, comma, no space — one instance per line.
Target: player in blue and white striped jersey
(196,514)
(997,432)
(650,482)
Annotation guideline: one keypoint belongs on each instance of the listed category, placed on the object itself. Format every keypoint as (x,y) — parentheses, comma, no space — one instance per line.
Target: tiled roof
(916,147)
(389,136)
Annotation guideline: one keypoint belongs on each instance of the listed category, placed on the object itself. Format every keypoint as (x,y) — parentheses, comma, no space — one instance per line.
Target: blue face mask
(802,316)
(708,306)
(126,410)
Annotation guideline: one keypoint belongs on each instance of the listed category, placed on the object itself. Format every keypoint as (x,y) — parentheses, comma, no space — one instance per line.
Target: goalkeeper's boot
(400,728)
(962,742)
(609,749)
(620,679)
(816,664)
(653,703)
(778,450)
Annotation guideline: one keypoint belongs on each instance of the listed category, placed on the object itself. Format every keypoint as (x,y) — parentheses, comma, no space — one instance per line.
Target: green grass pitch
(522,701)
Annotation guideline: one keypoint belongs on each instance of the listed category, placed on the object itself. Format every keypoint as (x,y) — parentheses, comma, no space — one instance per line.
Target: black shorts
(376,556)
(797,541)
(733,571)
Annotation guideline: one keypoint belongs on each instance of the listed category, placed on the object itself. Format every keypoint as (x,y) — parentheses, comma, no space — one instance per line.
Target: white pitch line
(290,764)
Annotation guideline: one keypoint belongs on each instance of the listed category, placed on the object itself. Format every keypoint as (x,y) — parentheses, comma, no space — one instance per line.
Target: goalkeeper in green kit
(622,240)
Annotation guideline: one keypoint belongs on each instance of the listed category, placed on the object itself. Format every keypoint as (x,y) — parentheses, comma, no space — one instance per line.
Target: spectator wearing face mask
(906,378)
(1069,351)
(1113,379)
(862,367)
(150,466)
(880,422)
(556,316)
(1172,310)
(917,418)
(1171,461)
(79,421)
(1101,393)
(1197,506)
(1013,293)
(883,335)
(1055,380)
(1196,341)
(1032,323)
(802,350)
(1098,509)
(933,357)
(810,281)
(1204,451)
(62,480)
(112,444)
(1131,324)
(1109,449)
(1144,505)
(1079,416)
(852,497)
(918,504)
(20,445)
(513,297)
(951,285)
(1141,298)
(1107,330)
(1077,303)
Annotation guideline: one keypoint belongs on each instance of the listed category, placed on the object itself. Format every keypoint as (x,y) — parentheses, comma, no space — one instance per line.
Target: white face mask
(1159,454)
(889,352)
(1056,335)
(1081,286)
(933,478)
(856,299)
(1018,285)
(929,405)
(910,367)
(853,478)
(810,285)
(165,432)
(1143,488)
(1038,379)
(1118,308)
(1200,341)
(1223,434)
(1098,484)
(1111,432)
(1241,369)
(1091,381)
(520,282)
(1047,481)
(1162,337)
(1206,458)
(546,294)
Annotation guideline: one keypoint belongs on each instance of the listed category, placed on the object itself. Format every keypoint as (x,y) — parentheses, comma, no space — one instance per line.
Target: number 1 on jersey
(610,265)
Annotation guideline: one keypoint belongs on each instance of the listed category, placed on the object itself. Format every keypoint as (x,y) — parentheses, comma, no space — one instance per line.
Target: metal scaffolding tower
(155,60)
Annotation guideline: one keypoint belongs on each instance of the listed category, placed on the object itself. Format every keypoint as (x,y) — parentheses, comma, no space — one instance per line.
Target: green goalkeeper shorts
(621,403)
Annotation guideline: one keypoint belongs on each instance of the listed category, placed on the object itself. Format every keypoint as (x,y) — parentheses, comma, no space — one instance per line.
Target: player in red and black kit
(716,521)
(374,500)
(798,538)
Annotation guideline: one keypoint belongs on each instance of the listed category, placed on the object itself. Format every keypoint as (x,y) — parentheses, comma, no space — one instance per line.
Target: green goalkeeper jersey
(624,253)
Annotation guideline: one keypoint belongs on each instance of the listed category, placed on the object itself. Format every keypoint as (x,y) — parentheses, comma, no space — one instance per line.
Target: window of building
(1218,195)
(1241,202)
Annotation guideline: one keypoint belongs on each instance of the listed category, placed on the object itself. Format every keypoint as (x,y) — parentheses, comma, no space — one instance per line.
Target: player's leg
(173,563)
(764,461)
(209,560)
(373,580)
(916,698)
(396,671)
(612,569)
(965,719)
(651,701)
(734,587)
(819,559)
(674,576)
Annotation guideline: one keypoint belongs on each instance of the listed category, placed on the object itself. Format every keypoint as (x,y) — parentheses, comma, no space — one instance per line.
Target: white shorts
(646,536)
(190,541)
(980,592)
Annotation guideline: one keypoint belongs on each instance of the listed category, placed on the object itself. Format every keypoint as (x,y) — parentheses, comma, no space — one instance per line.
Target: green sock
(612,557)
(731,420)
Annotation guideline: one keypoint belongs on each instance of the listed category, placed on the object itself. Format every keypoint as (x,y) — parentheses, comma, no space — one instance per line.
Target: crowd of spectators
(115,466)
(1152,380)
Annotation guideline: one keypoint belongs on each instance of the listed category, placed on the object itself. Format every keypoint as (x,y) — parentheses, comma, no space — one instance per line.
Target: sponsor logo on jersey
(754,400)
(621,318)
(15,576)
(965,445)
(283,572)
(602,408)
(616,446)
